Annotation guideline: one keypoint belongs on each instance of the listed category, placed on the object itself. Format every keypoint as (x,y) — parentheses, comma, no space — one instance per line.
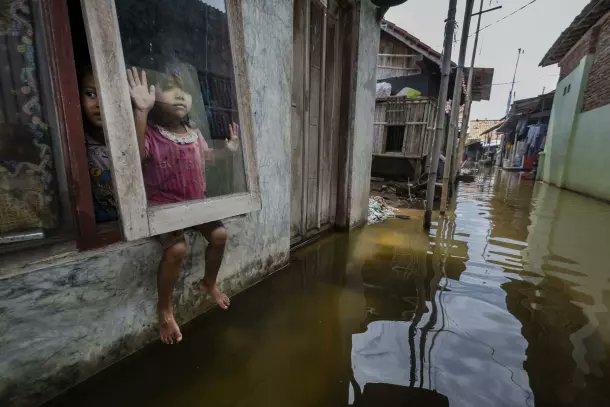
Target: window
(33,197)
(192,52)
(394,141)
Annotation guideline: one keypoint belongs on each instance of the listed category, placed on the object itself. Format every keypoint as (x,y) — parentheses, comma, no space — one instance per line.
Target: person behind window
(98,156)
(174,154)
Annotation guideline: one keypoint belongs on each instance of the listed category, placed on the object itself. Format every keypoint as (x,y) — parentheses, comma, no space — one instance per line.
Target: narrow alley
(504,303)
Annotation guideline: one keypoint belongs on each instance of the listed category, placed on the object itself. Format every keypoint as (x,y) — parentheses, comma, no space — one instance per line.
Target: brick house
(576,151)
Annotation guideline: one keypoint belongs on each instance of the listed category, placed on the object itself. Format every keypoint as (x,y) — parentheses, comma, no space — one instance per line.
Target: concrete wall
(566,106)
(587,163)
(359,171)
(64,318)
(576,149)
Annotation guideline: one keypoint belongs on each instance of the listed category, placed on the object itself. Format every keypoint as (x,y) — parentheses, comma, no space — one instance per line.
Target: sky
(533,29)
(219,4)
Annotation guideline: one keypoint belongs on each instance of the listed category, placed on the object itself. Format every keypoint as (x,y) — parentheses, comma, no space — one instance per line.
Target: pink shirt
(173,172)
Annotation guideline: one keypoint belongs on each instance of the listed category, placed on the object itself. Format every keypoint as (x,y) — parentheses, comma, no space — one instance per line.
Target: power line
(501,19)
(506,16)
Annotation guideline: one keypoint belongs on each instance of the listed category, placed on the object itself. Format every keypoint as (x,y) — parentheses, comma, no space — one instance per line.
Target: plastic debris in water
(379,210)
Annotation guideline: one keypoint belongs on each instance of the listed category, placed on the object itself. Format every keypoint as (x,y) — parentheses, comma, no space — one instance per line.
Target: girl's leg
(169,270)
(216,235)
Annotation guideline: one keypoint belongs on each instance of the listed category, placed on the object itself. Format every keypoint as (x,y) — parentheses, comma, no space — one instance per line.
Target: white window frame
(138,220)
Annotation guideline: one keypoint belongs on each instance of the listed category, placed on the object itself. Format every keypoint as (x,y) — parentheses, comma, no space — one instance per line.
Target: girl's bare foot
(168,328)
(221,298)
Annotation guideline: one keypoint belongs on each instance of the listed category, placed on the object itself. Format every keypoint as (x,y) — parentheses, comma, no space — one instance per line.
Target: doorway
(316,96)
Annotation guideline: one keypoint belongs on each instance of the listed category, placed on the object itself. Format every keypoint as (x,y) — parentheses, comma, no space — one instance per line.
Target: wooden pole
(455,105)
(440,115)
(511,97)
(468,106)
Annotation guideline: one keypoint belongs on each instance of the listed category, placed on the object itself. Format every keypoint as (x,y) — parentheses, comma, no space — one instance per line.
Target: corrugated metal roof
(590,15)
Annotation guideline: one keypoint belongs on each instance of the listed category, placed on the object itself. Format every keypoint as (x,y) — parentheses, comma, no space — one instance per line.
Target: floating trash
(379,210)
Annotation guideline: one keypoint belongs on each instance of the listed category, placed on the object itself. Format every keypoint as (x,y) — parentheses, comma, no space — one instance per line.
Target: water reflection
(505,302)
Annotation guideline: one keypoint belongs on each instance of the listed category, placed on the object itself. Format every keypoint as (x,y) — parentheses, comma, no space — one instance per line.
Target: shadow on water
(504,303)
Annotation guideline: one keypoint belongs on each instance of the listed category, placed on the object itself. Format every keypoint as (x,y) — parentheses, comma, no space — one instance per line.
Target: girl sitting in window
(174,154)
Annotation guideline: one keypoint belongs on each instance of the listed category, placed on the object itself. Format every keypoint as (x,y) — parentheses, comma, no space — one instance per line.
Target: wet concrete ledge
(109,321)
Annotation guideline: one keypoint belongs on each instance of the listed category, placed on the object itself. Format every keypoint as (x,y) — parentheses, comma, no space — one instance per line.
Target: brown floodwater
(504,303)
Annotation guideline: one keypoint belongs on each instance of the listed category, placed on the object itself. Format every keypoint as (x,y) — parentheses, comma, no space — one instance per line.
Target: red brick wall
(573,58)
(597,91)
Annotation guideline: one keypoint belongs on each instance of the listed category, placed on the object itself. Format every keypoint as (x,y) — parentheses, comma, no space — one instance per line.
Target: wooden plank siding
(315,112)
(416,115)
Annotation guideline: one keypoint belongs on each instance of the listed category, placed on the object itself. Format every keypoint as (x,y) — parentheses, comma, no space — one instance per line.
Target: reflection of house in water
(566,297)
(401,273)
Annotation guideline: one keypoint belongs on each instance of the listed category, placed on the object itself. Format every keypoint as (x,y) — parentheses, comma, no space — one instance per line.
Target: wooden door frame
(348,24)
(340,13)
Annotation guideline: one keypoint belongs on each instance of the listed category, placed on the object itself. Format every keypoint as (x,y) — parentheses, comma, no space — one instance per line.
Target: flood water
(504,303)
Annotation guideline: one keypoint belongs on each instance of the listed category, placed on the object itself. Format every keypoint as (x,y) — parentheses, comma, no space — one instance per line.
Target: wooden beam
(106,52)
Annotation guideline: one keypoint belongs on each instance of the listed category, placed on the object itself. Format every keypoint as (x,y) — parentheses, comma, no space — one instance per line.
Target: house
(575,155)
(478,127)
(523,132)
(405,121)
(78,294)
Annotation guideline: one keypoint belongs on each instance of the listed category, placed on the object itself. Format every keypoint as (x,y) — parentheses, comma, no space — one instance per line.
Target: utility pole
(455,105)
(440,112)
(512,88)
(510,98)
(468,106)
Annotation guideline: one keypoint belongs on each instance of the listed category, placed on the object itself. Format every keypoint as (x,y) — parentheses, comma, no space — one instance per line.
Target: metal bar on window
(31,234)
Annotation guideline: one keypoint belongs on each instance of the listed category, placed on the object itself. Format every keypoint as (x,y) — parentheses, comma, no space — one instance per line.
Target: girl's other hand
(233,143)
(142,96)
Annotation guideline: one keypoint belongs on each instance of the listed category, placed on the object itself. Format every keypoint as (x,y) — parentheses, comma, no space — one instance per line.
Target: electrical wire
(506,16)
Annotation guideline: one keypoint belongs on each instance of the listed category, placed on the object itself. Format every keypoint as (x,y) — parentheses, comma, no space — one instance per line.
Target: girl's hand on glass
(142,96)
(233,143)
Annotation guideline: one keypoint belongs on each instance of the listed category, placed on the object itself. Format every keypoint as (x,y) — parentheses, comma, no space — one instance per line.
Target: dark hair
(81,72)
(167,71)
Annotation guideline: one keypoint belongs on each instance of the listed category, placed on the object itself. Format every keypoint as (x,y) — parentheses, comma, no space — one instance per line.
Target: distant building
(477,127)
(576,152)
(524,132)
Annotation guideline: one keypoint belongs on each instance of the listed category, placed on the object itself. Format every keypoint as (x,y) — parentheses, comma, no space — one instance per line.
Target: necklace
(188,138)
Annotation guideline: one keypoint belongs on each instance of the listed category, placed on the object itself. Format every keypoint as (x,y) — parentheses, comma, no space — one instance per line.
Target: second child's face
(90,102)
(173,101)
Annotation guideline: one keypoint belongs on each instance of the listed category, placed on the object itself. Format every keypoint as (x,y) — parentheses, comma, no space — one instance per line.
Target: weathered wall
(566,105)
(364,112)
(576,150)
(587,162)
(64,319)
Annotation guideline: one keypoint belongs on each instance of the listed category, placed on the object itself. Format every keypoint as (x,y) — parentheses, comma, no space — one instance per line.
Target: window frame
(138,219)
(61,103)
(66,95)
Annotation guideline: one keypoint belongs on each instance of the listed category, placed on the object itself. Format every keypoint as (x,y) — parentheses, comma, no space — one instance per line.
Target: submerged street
(504,303)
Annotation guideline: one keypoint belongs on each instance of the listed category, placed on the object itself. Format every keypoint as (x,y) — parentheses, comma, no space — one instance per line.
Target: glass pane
(189,149)
(28,200)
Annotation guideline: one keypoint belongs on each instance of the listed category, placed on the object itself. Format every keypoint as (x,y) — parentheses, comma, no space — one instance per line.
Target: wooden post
(455,105)
(440,116)
(468,106)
